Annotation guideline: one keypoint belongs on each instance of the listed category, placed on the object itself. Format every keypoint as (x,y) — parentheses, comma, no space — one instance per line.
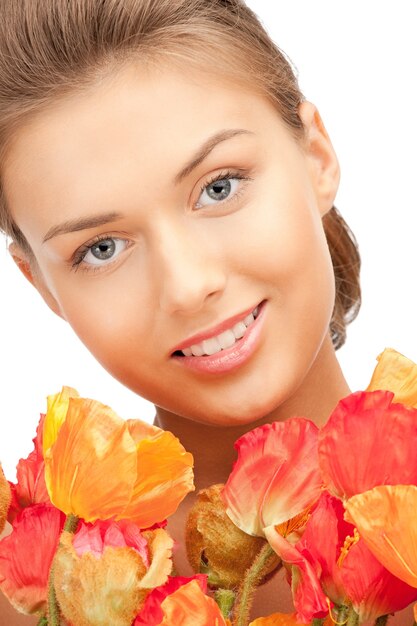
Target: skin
(185,265)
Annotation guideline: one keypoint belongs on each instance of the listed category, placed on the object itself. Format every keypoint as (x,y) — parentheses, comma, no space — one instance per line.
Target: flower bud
(5,497)
(216,546)
(103,574)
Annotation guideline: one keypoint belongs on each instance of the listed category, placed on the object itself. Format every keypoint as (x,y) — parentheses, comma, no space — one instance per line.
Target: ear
(324,168)
(30,270)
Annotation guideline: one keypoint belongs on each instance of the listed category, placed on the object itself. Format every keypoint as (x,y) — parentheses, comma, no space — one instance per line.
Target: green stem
(225,599)
(382,621)
(71,523)
(253,577)
(317,621)
(342,615)
(53,608)
(43,621)
(54,614)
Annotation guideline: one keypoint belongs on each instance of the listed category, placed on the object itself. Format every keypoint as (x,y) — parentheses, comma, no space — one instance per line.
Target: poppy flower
(98,466)
(368,441)
(26,556)
(396,373)
(30,472)
(385,517)
(104,571)
(276,476)
(332,556)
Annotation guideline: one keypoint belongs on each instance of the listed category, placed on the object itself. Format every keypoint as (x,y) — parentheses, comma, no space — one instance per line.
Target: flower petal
(26,557)
(398,374)
(188,606)
(164,475)
(385,518)
(371,588)
(5,498)
(160,548)
(309,600)
(368,441)
(57,406)
(91,468)
(276,475)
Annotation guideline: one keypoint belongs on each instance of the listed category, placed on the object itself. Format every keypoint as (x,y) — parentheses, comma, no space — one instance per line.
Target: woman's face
(163,210)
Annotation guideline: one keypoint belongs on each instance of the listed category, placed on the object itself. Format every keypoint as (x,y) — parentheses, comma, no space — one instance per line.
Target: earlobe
(325,168)
(31,272)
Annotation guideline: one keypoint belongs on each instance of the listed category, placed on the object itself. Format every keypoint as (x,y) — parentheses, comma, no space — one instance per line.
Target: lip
(231,358)
(214,331)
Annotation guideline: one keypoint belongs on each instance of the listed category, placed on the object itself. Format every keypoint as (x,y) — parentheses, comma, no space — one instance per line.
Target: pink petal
(276,475)
(368,441)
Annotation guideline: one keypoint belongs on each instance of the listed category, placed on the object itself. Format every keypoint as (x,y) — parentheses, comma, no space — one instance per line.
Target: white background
(357,61)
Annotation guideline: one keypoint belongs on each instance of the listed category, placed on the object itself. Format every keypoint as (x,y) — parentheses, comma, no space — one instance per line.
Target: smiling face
(173,216)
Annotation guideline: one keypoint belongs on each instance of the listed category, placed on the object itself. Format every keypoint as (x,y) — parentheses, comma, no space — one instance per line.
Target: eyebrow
(84,223)
(206,148)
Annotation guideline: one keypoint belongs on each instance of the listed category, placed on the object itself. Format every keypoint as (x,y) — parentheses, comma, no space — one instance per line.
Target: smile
(224,340)
(228,349)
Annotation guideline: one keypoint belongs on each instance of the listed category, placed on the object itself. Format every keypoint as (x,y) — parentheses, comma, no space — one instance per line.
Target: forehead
(154,119)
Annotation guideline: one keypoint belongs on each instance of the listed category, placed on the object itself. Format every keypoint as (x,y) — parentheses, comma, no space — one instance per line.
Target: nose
(189,269)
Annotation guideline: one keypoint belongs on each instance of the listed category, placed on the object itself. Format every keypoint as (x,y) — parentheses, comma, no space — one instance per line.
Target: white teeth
(223,341)
(239,330)
(226,339)
(197,350)
(248,319)
(211,346)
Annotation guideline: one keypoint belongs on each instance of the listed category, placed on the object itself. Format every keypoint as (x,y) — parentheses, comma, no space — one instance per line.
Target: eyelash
(79,255)
(226,175)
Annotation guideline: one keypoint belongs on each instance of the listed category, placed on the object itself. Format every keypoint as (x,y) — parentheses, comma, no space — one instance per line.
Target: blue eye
(224,187)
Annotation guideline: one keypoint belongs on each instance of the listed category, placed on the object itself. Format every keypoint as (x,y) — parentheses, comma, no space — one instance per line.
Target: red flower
(26,556)
(368,441)
(275,477)
(331,554)
(30,487)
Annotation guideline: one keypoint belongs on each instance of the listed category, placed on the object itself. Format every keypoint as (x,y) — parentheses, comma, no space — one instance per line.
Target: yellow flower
(98,466)
(398,374)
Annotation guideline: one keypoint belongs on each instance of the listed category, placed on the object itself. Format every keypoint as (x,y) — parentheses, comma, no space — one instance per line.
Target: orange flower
(98,466)
(189,606)
(398,374)
(283,619)
(385,518)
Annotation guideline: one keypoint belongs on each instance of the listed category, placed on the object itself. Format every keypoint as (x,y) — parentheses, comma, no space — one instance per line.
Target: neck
(212,446)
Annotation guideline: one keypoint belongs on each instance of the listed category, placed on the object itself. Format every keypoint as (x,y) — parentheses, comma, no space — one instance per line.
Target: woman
(169,192)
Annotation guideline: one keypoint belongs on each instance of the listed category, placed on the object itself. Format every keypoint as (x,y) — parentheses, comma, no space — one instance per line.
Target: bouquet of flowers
(334,506)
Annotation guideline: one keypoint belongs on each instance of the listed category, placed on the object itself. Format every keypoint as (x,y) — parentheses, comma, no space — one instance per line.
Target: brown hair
(49,48)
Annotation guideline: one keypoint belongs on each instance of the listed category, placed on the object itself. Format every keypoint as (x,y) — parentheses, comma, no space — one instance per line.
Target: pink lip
(213,332)
(232,358)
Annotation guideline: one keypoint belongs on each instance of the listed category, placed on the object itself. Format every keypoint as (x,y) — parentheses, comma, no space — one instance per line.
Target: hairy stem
(225,599)
(247,589)
(54,614)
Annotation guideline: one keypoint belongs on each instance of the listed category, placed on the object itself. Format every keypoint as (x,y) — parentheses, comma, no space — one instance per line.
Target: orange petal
(398,374)
(5,497)
(189,606)
(55,415)
(91,468)
(385,518)
(164,475)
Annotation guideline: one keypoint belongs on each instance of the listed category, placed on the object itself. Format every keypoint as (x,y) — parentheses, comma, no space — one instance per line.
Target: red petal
(276,475)
(368,441)
(26,556)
